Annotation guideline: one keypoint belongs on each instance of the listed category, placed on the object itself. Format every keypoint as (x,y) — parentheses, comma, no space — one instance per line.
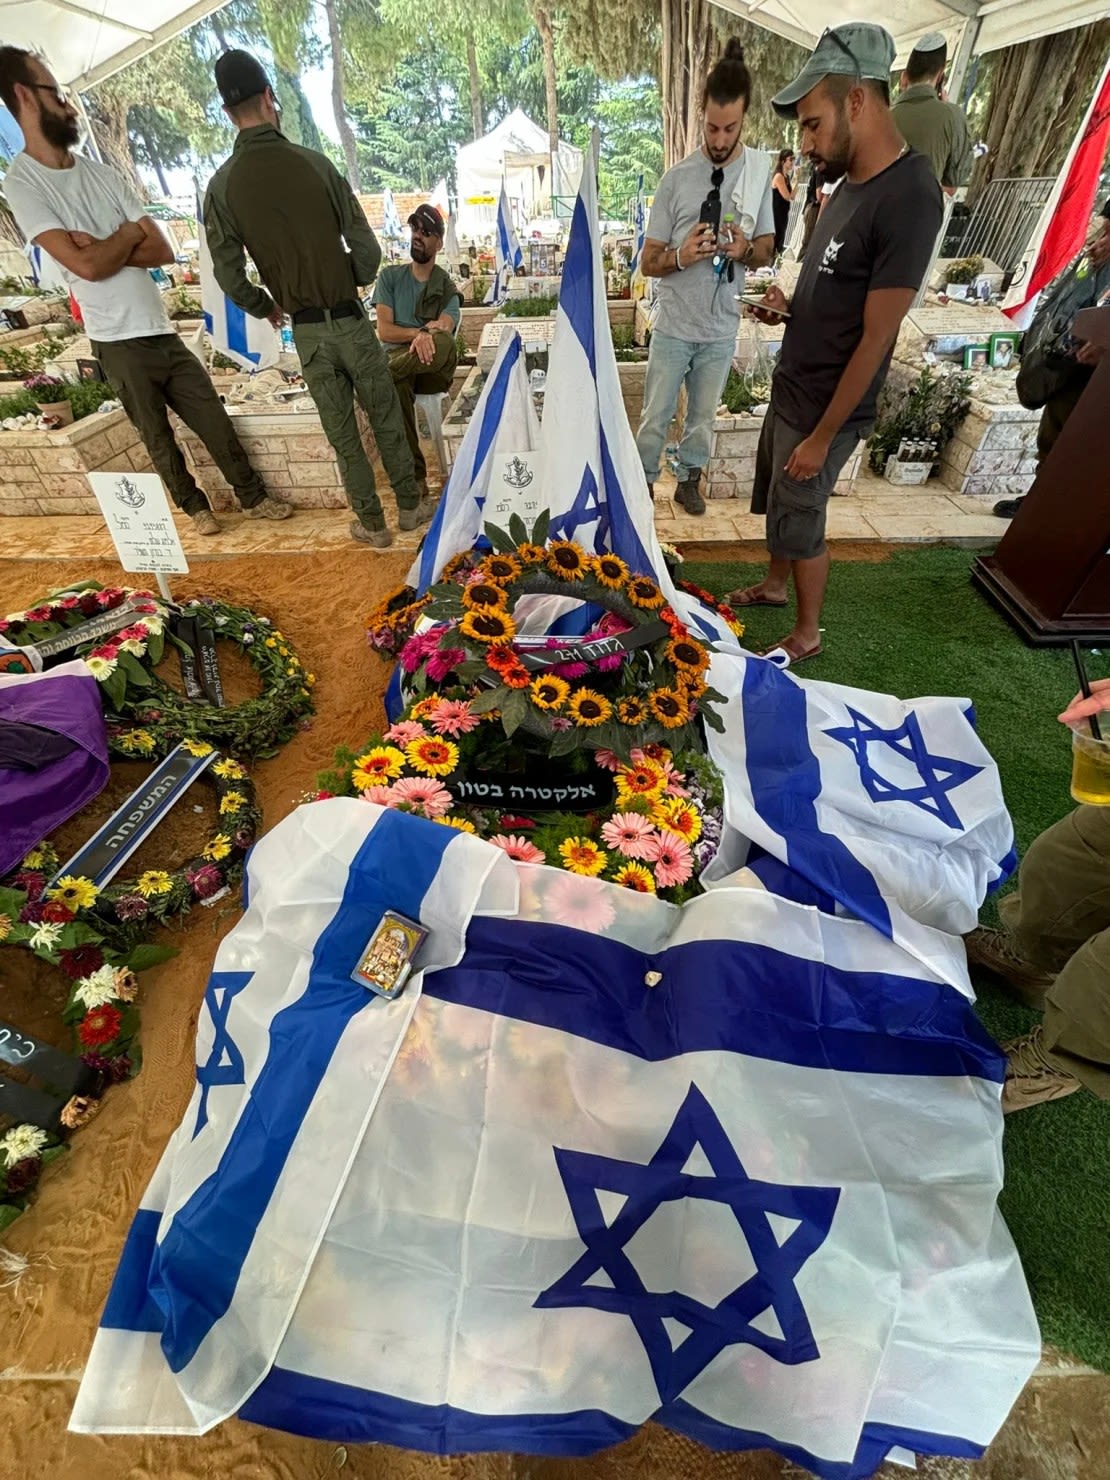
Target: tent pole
(957,74)
(90,138)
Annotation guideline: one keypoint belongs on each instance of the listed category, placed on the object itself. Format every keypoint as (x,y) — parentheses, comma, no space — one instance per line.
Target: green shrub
(85,397)
(529,308)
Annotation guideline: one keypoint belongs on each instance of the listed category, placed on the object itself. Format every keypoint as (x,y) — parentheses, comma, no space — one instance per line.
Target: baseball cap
(854,50)
(428,218)
(239,76)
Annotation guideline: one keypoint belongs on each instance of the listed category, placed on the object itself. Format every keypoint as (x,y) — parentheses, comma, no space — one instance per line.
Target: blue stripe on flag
(392,870)
(237,337)
(131,1306)
(623,537)
(576,290)
(785,780)
(342,1413)
(717,995)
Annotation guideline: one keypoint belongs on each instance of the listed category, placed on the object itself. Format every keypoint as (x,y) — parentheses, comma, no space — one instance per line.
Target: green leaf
(142,958)
(115,687)
(181,646)
(499,539)
(8,1214)
(155,647)
(52,1153)
(78,934)
(564,743)
(541,528)
(518,530)
(134,671)
(11,902)
(491,699)
(514,710)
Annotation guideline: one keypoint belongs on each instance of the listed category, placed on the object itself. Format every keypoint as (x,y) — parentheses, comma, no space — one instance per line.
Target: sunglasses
(62,95)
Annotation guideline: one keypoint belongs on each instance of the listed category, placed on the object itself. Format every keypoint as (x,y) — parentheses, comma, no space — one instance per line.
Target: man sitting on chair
(417,318)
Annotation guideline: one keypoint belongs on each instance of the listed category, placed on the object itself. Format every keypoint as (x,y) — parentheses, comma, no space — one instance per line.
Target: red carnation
(322,796)
(79,961)
(88,605)
(23,1175)
(32,912)
(100,1025)
(509,823)
(38,614)
(31,882)
(56,912)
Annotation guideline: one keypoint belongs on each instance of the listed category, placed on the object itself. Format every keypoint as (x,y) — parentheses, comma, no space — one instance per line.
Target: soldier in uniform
(308,237)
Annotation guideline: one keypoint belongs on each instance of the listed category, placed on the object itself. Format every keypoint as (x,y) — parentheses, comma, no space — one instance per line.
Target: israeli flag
(392,227)
(508,256)
(45,272)
(504,420)
(254,344)
(640,224)
(733,1168)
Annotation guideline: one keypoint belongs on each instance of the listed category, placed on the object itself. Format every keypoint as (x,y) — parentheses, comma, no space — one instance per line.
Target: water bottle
(721,259)
(287,337)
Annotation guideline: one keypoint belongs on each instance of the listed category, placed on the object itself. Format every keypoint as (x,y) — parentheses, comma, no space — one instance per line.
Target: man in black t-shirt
(870,250)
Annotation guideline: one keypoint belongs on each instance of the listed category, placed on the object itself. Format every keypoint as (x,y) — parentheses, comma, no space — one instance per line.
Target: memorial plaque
(525,792)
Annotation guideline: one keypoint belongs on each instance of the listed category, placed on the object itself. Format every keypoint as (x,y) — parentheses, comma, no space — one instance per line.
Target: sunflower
(484,594)
(232,801)
(588,708)
(219,847)
(381,764)
(229,770)
(460,824)
(424,707)
(140,740)
(688,657)
(693,687)
(154,882)
(642,591)
(635,876)
(500,569)
(432,756)
(669,706)
(632,711)
(531,554)
(566,559)
(645,781)
(76,892)
(549,692)
(488,625)
(610,570)
(581,856)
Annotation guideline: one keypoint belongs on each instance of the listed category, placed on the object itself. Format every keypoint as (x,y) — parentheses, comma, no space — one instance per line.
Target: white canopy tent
(516,152)
(85,41)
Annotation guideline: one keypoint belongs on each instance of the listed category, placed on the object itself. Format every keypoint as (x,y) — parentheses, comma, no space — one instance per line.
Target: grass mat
(914,626)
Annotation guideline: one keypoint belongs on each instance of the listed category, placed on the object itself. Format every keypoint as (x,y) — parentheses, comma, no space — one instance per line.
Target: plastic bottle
(287,347)
(721,260)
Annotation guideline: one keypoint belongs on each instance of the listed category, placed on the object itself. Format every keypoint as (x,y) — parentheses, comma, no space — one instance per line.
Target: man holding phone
(696,254)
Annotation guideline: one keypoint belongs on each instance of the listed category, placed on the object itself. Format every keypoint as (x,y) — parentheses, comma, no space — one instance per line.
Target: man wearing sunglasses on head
(870,250)
(91,222)
(700,259)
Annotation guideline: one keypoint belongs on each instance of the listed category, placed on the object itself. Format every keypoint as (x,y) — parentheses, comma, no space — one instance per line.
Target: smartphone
(710,215)
(756,300)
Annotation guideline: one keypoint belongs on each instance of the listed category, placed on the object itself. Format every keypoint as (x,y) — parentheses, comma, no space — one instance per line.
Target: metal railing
(1004,218)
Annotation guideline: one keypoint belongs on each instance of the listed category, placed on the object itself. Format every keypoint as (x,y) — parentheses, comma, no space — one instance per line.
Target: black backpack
(1048,363)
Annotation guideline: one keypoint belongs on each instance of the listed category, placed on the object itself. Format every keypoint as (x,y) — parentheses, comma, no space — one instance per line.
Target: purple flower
(131,907)
(560,722)
(23,1175)
(205,881)
(442,661)
(243,838)
(32,913)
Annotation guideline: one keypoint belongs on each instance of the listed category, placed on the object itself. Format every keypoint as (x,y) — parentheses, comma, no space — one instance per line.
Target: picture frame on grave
(977,356)
(1004,351)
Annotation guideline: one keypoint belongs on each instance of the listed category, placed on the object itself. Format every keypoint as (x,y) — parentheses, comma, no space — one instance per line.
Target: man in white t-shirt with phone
(91,222)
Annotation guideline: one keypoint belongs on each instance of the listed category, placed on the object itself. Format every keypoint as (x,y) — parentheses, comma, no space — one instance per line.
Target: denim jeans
(703,367)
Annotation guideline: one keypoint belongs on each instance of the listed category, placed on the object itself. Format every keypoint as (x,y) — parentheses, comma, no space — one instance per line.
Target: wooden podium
(1051,571)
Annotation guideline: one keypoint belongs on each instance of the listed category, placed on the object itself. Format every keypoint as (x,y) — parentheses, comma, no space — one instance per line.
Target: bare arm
(96,260)
(154,250)
(660,260)
(782,185)
(883,312)
(388,331)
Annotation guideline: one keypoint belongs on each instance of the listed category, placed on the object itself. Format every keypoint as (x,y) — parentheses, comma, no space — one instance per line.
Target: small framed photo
(976,356)
(89,370)
(386,960)
(1004,351)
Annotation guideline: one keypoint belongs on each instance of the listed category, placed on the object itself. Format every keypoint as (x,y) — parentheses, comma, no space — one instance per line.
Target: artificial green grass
(914,626)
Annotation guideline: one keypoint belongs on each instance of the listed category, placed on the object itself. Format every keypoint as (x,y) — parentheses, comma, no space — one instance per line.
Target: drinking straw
(1085,686)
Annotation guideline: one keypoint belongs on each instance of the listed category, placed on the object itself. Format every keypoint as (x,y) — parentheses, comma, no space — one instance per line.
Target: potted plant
(960,274)
(49,398)
(916,422)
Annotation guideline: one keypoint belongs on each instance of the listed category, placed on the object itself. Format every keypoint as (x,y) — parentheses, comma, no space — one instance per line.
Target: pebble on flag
(252,343)
(578,1177)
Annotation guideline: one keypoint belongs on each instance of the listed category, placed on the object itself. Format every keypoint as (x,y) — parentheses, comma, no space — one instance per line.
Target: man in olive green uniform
(418,312)
(292,211)
(930,125)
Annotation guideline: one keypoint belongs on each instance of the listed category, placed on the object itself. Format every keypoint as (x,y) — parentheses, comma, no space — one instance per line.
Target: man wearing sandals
(869,252)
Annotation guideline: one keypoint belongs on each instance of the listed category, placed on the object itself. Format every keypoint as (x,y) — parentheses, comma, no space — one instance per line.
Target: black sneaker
(1006,508)
(688,494)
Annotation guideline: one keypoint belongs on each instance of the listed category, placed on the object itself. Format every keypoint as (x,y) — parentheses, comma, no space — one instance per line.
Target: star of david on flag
(783,1226)
(224,1064)
(936,775)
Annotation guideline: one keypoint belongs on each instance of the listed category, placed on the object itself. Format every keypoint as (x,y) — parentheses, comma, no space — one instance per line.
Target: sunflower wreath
(146,717)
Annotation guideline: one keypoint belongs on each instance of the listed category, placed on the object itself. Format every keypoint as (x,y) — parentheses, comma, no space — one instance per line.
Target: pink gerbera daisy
(629,833)
(423,794)
(607,760)
(444,661)
(383,795)
(519,848)
(404,732)
(583,904)
(674,863)
(418,648)
(453,717)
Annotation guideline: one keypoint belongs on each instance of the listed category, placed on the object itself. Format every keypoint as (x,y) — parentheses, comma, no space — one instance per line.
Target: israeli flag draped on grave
(581,1177)
(252,343)
(508,256)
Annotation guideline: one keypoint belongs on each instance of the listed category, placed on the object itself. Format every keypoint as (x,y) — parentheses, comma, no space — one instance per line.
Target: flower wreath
(159,716)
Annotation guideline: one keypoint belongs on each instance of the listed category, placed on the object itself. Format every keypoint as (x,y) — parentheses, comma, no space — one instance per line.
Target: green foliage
(741,395)
(85,397)
(528,308)
(929,411)
(22,360)
(963,270)
(407,139)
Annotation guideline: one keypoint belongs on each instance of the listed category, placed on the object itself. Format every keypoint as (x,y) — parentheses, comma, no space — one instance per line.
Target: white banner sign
(140,521)
(514,488)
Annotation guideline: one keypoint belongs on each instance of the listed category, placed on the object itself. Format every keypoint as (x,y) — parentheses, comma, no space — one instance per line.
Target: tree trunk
(686,56)
(477,121)
(155,163)
(218,31)
(1029,127)
(542,17)
(346,133)
(108,116)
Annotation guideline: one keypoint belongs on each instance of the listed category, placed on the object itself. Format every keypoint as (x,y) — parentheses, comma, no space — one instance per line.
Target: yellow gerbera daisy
(549,692)
(488,625)
(610,570)
(232,801)
(140,740)
(635,876)
(76,892)
(675,815)
(230,770)
(566,559)
(379,765)
(645,781)
(460,824)
(669,707)
(432,756)
(197,747)
(154,882)
(581,856)
(500,569)
(588,708)
(218,848)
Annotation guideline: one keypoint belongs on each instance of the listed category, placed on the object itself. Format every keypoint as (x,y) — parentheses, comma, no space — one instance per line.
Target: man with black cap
(292,210)
(89,219)
(928,123)
(870,250)
(418,309)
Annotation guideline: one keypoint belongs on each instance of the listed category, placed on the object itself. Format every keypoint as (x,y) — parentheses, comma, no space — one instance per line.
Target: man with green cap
(928,123)
(869,252)
(308,236)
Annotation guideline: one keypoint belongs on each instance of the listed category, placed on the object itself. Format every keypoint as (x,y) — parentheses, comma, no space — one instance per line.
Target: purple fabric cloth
(34,803)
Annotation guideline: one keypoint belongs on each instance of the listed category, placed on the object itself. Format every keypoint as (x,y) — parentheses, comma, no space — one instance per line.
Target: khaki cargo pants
(413,378)
(341,360)
(1060,920)
(156,374)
